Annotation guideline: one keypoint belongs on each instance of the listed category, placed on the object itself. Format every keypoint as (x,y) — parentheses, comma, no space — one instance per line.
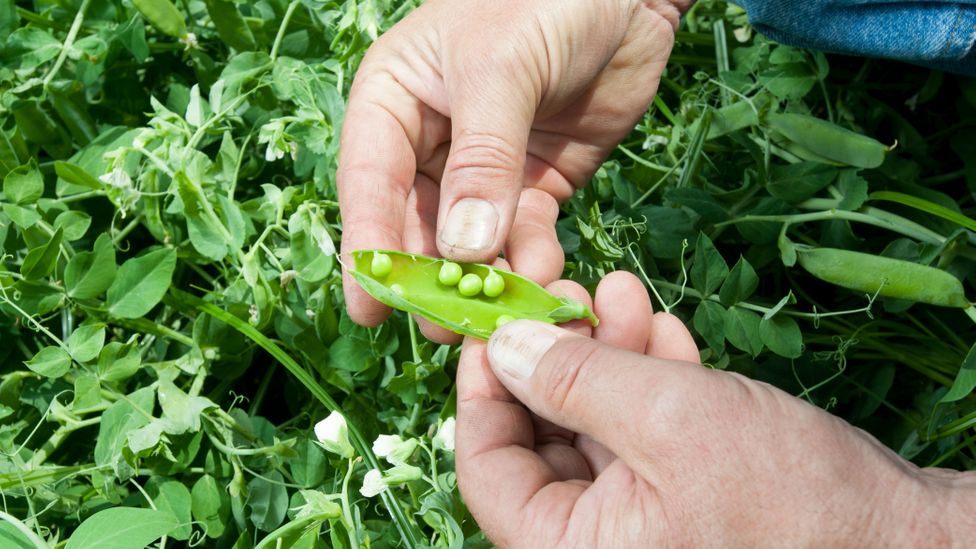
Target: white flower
(286,277)
(190,40)
(402,473)
(444,439)
(273,153)
(333,435)
(373,483)
(393,448)
(117,178)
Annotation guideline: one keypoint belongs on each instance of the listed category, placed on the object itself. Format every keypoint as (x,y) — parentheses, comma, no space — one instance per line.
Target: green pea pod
(893,277)
(231,25)
(824,140)
(412,285)
(163,15)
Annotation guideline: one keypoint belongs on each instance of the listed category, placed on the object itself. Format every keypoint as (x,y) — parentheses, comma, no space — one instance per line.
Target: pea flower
(393,448)
(373,483)
(444,439)
(333,435)
(117,178)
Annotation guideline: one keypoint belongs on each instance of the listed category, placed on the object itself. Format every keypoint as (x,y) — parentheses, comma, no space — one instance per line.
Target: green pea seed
(450,274)
(503,320)
(494,284)
(470,285)
(381,265)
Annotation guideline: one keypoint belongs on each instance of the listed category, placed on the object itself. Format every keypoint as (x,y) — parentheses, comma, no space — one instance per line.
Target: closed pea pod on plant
(163,15)
(888,277)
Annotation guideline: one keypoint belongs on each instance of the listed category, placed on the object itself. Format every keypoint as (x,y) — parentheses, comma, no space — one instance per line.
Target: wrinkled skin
(618,438)
(504,107)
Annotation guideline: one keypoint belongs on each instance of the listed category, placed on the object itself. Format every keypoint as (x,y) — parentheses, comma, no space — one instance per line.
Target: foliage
(172,314)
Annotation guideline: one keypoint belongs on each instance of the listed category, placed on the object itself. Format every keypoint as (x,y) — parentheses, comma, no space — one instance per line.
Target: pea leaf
(797,182)
(782,335)
(710,321)
(965,380)
(740,284)
(742,330)
(174,498)
(122,528)
(76,175)
(40,261)
(210,505)
(50,362)
(86,342)
(268,501)
(88,274)
(87,392)
(710,269)
(24,184)
(12,538)
(74,223)
(141,284)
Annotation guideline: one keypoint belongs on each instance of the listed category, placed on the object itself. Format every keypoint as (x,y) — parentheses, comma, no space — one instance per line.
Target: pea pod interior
(413,286)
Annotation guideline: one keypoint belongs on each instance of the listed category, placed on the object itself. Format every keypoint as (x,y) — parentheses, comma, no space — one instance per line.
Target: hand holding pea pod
(468,299)
(621,440)
(437,148)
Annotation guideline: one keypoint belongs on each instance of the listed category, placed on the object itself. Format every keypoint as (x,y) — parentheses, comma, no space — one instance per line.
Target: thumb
(586,386)
(491,117)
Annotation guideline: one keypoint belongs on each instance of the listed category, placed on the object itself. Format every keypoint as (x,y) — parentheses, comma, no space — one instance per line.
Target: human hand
(465,102)
(623,441)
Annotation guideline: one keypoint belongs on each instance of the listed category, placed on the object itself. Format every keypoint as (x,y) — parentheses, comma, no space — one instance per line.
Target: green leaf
(118,420)
(76,175)
(926,206)
(174,498)
(710,321)
(740,284)
(87,392)
(118,362)
(965,380)
(74,223)
(122,528)
(50,362)
(210,506)
(742,330)
(12,538)
(141,283)
(24,184)
(86,342)
(24,218)
(710,269)
(41,261)
(782,335)
(88,274)
(268,501)
(854,188)
(797,182)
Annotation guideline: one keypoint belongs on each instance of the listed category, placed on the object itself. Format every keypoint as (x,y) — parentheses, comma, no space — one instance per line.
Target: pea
(887,276)
(503,320)
(381,265)
(450,274)
(413,283)
(470,285)
(494,284)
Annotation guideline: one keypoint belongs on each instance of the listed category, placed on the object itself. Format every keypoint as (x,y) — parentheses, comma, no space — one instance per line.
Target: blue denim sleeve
(935,33)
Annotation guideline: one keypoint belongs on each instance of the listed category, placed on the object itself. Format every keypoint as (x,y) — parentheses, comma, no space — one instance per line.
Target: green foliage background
(173,326)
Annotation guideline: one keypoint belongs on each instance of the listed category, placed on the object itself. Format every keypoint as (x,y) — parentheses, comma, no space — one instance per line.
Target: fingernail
(470,225)
(516,348)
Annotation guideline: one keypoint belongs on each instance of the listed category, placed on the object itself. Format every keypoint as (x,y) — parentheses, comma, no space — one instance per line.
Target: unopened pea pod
(163,15)
(413,285)
(887,276)
(828,141)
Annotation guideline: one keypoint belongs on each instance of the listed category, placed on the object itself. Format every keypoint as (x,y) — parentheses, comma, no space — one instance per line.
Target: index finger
(377,166)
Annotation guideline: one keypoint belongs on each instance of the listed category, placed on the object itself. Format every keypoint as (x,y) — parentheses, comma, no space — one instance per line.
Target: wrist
(950,520)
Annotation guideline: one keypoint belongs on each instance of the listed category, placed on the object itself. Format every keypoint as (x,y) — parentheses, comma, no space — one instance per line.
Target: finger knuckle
(564,381)
(480,155)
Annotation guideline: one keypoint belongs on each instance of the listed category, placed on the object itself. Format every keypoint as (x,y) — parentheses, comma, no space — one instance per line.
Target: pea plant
(177,365)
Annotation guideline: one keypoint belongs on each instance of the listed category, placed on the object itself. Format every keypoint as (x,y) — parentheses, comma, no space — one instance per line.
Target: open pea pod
(454,298)
(889,277)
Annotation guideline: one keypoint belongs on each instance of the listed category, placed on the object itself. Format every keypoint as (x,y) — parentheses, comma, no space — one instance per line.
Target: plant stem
(281,30)
(68,42)
(889,221)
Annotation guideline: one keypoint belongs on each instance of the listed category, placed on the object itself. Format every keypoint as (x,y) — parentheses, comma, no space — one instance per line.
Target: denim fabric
(935,33)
